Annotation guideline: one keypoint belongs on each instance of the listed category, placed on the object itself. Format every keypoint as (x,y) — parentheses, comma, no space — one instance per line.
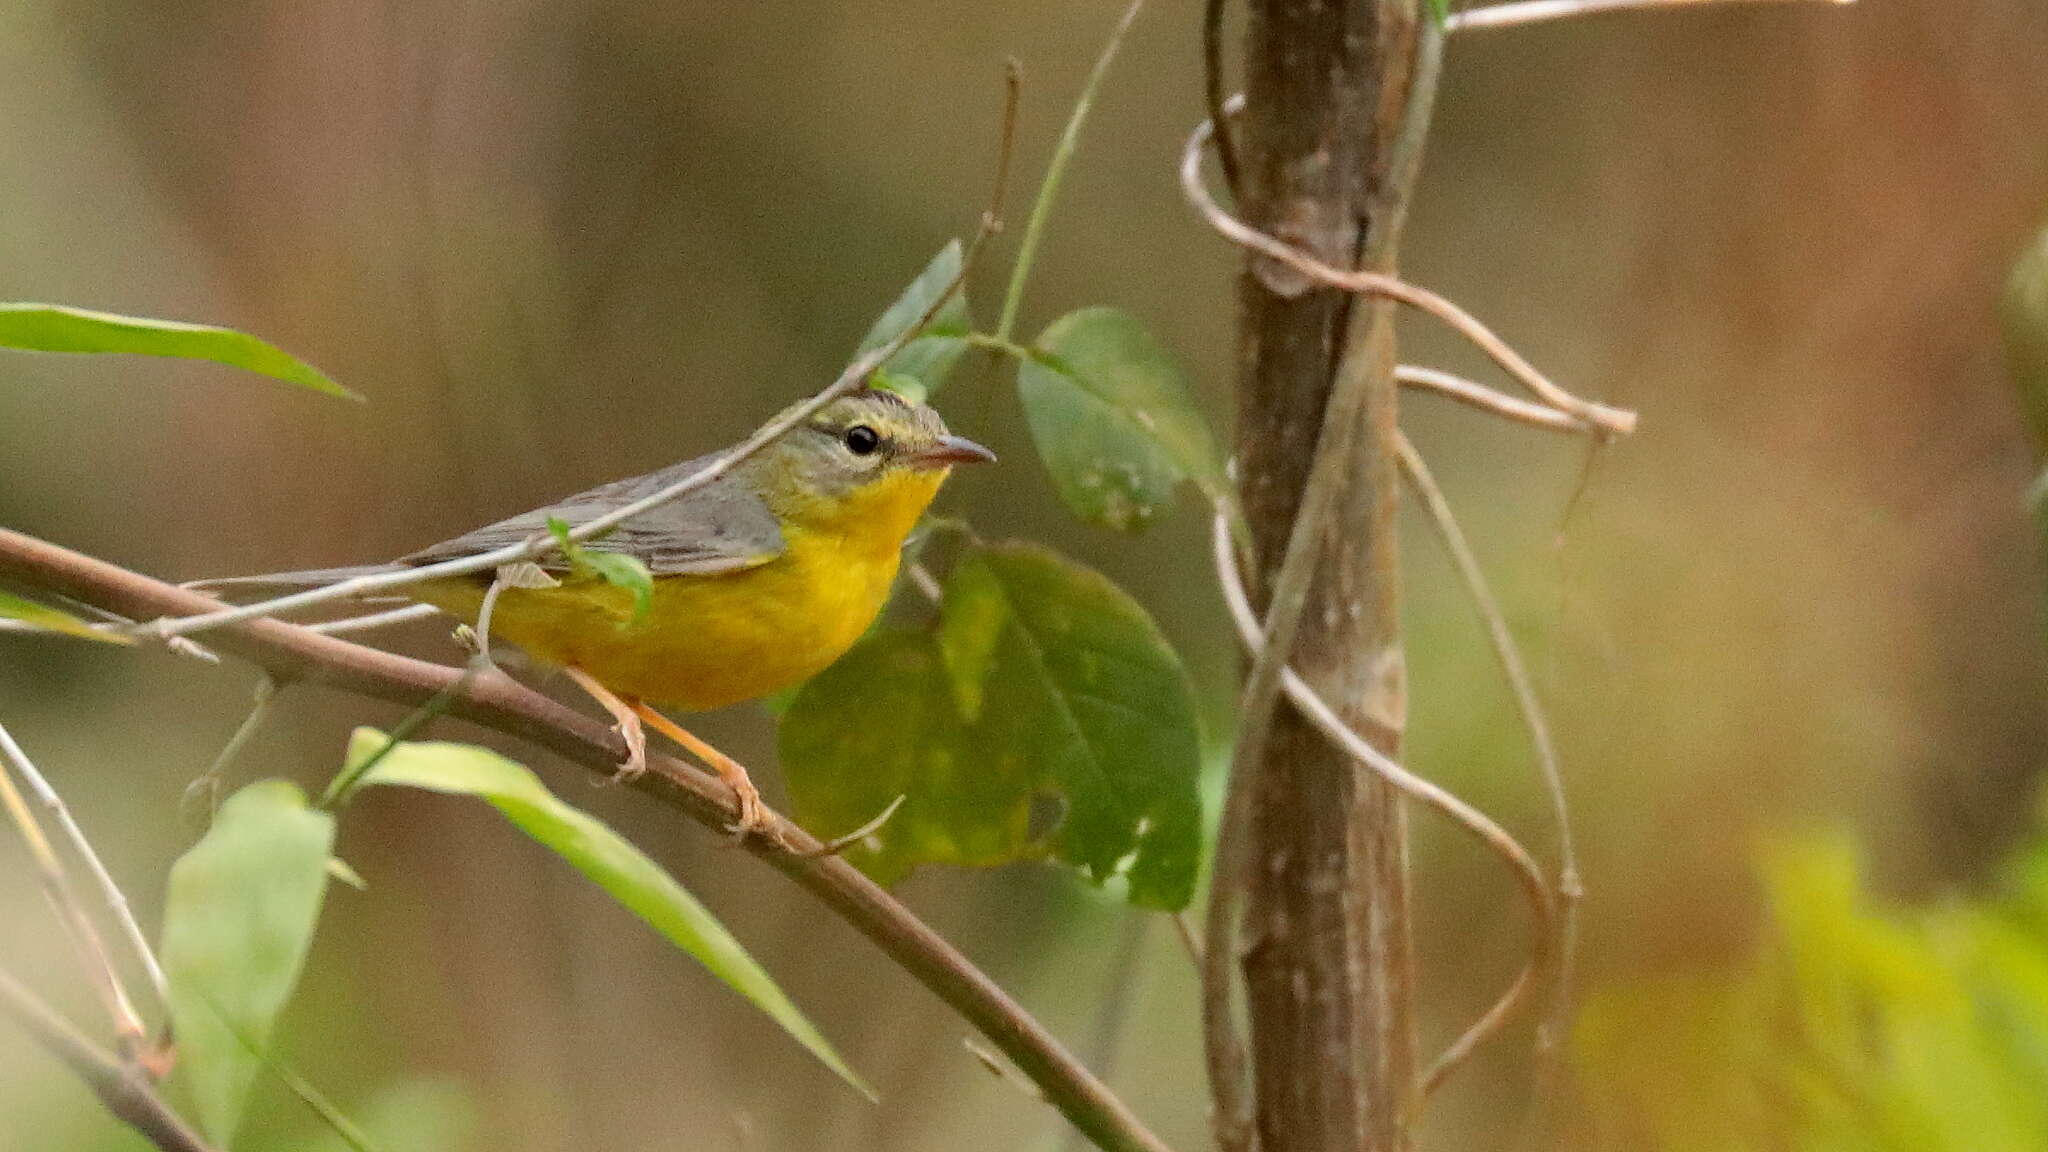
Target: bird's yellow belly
(706,641)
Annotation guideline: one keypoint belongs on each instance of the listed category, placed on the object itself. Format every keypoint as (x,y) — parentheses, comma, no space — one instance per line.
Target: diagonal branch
(498,702)
(124,1089)
(56,883)
(117,903)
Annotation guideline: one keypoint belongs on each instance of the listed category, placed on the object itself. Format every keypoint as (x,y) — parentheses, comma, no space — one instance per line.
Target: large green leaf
(607,858)
(921,366)
(1044,680)
(48,619)
(238,920)
(1109,704)
(1113,419)
(57,328)
(881,723)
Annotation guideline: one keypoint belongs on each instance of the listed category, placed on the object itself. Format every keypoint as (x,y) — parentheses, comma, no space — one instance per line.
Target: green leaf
(932,355)
(967,785)
(410,1116)
(1113,420)
(56,328)
(1044,680)
(2026,335)
(615,568)
(601,854)
(238,920)
(48,619)
(1110,707)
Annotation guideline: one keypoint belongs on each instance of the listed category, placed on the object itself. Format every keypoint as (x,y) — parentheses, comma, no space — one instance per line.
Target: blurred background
(560,243)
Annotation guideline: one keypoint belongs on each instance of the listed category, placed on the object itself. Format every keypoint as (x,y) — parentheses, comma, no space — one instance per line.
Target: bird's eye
(862,440)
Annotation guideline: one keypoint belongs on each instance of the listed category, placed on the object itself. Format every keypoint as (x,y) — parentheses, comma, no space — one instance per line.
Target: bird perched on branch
(760,578)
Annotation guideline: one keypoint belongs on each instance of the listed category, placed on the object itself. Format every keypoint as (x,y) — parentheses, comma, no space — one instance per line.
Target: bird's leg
(753,815)
(628,723)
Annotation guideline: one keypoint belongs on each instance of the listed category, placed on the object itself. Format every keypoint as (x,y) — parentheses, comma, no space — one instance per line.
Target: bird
(761,578)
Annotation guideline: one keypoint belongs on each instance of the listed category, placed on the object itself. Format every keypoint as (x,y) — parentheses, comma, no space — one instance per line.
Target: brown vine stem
(1563,952)
(1527,12)
(1528,875)
(123,1088)
(498,702)
(1611,421)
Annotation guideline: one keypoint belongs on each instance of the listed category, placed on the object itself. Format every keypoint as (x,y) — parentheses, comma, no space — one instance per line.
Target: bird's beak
(947,451)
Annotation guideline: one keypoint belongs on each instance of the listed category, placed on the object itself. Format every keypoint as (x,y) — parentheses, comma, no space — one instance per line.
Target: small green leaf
(48,619)
(1044,680)
(1113,420)
(615,568)
(56,328)
(411,1116)
(930,357)
(2026,335)
(967,785)
(909,387)
(238,921)
(607,858)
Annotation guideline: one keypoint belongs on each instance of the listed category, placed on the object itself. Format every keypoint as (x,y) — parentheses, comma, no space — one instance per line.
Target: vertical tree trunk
(1327,961)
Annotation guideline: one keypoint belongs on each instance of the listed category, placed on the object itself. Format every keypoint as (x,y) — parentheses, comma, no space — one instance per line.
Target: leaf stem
(1055,173)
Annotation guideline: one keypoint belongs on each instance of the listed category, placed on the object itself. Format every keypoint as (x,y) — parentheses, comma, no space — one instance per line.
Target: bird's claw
(753,814)
(635,764)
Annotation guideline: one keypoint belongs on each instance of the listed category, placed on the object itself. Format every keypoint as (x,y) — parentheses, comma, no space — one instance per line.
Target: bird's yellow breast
(711,640)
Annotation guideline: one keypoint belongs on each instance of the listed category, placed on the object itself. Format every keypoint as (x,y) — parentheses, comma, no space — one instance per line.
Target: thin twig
(1611,421)
(1565,952)
(1526,12)
(1212,94)
(496,701)
(349,624)
(92,950)
(117,903)
(851,380)
(1528,874)
(838,844)
(124,1089)
(1055,171)
(213,780)
(1486,399)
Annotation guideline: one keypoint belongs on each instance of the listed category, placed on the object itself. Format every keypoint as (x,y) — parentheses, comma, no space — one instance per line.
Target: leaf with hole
(1113,420)
(58,328)
(44,618)
(930,356)
(608,859)
(238,921)
(1044,681)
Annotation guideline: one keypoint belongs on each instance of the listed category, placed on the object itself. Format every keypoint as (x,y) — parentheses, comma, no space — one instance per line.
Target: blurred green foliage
(1854,1028)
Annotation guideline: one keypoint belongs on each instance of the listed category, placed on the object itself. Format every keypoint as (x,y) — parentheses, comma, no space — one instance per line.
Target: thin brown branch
(851,380)
(1528,874)
(500,703)
(123,1088)
(1526,12)
(56,883)
(1612,421)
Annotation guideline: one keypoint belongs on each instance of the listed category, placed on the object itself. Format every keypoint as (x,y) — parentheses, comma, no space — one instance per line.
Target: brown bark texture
(1328,960)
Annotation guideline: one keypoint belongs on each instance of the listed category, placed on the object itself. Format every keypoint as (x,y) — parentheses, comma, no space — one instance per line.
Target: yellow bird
(761,578)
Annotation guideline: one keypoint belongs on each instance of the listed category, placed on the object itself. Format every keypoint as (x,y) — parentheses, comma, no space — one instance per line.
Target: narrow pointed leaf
(608,859)
(1113,420)
(931,357)
(58,328)
(2026,336)
(238,921)
(48,619)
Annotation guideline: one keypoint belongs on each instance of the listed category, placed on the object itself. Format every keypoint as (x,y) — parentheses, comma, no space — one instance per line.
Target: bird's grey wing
(721,527)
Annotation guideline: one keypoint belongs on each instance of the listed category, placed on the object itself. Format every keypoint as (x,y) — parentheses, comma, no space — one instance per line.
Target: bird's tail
(282,582)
